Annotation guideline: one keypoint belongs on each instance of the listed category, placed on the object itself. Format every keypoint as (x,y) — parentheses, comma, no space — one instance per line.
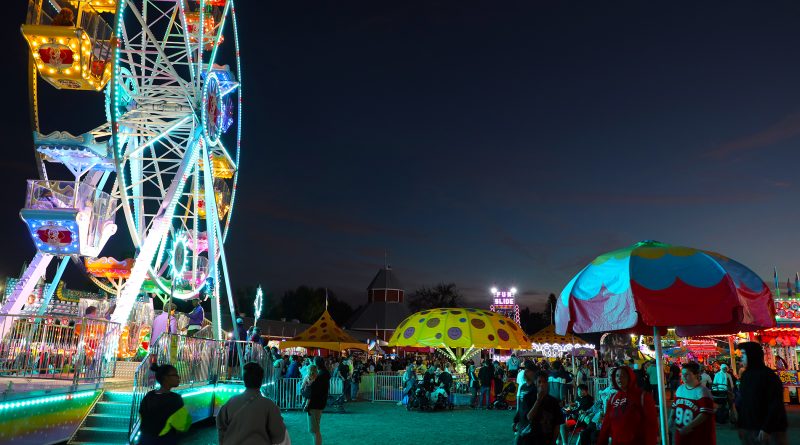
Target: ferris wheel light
(179,255)
(494,290)
(513,290)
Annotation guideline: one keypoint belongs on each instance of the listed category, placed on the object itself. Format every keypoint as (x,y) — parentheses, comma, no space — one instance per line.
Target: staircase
(108,422)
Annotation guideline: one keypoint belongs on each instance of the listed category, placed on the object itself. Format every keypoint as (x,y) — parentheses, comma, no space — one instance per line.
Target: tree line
(306,304)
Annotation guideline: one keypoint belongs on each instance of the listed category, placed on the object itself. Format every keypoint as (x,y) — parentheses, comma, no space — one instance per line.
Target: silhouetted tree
(532,322)
(307,305)
(441,295)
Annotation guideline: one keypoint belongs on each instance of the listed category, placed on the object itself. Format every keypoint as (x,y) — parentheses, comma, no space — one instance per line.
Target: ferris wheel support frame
(27,282)
(159,228)
(49,290)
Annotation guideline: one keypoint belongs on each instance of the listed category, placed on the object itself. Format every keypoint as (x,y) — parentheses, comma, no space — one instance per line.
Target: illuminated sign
(787,310)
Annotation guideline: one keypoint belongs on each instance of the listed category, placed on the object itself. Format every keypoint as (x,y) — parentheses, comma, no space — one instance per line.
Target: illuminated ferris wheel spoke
(169,108)
(164,120)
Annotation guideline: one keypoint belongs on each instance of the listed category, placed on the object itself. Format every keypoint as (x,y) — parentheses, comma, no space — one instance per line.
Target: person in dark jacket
(445,379)
(762,416)
(317,399)
(429,378)
(525,401)
(343,370)
(485,377)
(538,421)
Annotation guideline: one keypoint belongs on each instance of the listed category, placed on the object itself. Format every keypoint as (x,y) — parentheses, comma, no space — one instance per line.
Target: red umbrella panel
(651,285)
(654,284)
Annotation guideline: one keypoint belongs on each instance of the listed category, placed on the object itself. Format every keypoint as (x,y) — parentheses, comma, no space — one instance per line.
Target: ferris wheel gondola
(168,153)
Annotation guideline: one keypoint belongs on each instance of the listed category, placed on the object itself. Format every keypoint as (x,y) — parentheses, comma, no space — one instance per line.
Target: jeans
(484,390)
(346,390)
(353,391)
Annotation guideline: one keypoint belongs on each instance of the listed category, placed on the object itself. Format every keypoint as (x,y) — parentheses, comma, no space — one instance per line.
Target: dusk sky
(485,142)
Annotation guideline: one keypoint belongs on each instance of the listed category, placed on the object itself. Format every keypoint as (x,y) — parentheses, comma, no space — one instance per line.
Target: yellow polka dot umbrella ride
(471,329)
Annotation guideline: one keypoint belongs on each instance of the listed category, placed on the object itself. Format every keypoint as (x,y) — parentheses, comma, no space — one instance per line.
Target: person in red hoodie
(631,417)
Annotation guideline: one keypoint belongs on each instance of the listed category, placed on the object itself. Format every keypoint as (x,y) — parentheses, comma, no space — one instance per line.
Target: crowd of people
(547,409)
(626,412)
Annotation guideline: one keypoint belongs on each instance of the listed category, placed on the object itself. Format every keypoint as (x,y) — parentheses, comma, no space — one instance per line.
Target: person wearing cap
(196,317)
(526,397)
(161,323)
(762,416)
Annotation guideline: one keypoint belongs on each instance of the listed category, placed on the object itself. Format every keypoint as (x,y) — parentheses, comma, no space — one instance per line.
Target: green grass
(385,423)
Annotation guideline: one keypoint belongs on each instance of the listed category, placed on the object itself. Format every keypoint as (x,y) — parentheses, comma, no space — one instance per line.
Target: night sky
(481,143)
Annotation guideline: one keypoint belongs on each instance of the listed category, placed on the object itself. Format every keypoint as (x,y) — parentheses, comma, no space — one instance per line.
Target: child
(307,381)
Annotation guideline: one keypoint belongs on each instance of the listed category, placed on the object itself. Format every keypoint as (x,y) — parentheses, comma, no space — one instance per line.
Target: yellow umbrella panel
(460,328)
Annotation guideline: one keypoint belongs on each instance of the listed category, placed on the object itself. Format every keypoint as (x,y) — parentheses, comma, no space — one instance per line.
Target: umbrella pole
(733,357)
(662,404)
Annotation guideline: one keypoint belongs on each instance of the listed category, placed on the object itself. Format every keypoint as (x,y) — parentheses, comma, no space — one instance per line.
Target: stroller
(720,396)
(507,399)
(442,400)
(418,398)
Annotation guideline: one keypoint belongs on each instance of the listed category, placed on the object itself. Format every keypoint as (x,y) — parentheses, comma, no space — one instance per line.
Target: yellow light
(44,40)
(61,41)
(35,55)
(40,65)
(86,67)
(52,71)
(67,71)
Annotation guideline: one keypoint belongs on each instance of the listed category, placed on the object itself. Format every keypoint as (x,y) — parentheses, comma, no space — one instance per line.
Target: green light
(45,400)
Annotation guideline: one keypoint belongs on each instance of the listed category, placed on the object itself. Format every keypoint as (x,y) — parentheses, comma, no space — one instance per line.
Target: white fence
(597,384)
(381,387)
(386,387)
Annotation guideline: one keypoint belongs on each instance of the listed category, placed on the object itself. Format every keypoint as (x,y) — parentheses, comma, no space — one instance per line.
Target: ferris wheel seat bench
(77,153)
(62,223)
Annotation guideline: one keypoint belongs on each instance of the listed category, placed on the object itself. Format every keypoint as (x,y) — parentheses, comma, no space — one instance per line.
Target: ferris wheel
(167,153)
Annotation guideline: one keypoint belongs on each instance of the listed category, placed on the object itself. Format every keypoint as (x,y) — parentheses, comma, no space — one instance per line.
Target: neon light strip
(44,400)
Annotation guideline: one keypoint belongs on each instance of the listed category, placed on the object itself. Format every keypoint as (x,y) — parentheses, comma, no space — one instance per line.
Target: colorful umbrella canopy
(460,328)
(652,285)
(655,284)
(325,334)
(548,336)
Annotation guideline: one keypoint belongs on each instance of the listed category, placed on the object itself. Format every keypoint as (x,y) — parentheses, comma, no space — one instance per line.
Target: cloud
(727,197)
(329,221)
(785,129)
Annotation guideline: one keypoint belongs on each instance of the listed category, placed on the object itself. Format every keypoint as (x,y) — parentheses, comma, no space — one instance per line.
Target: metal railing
(387,387)
(597,384)
(284,392)
(233,351)
(196,359)
(58,347)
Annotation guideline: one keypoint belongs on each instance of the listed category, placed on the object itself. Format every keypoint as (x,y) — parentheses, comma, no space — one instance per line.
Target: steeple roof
(385,279)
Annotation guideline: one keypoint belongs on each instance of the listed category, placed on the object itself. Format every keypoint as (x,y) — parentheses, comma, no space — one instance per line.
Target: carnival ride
(167,153)
(505,303)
